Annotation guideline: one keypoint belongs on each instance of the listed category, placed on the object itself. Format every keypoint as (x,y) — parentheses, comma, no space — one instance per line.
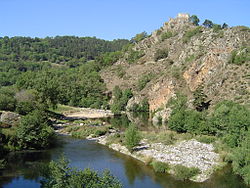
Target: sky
(110,19)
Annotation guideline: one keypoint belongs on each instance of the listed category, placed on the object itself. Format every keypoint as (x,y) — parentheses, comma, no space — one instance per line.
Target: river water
(23,167)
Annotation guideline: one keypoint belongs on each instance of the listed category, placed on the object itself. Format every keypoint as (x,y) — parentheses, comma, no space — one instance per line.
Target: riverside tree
(59,175)
(132,137)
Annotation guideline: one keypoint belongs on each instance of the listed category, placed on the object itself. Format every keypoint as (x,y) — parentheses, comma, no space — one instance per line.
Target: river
(23,167)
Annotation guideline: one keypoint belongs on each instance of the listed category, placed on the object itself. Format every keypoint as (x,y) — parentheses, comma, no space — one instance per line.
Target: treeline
(60,49)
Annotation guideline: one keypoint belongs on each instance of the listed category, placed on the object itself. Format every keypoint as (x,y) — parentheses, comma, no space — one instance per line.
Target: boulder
(163,115)
(9,118)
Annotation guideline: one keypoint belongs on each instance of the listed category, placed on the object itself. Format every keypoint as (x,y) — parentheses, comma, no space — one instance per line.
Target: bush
(241,159)
(166,35)
(34,132)
(206,139)
(120,72)
(132,137)
(133,56)
(142,82)
(160,166)
(25,107)
(160,54)
(185,173)
(230,120)
(139,37)
(217,27)
(189,34)
(59,174)
(240,57)
(7,99)
(143,106)
(121,99)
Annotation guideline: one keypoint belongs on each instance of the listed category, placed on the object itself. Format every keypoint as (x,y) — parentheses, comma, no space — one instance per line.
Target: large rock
(162,115)
(9,118)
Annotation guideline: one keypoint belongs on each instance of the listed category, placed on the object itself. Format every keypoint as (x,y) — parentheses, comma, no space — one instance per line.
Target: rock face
(199,60)
(9,118)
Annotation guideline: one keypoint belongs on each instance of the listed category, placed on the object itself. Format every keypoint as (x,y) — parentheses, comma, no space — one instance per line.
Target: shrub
(158,32)
(59,174)
(166,35)
(139,37)
(160,166)
(206,139)
(120,72)
(217,27)
(240,57)
(185,173)
(189,34)
(133,56)
(241,159)
(120,99)
(142,82)
(200,98)
(132,137)
(25,107)
(34,132)
(160,54)
(230,120)
(143,106)
(7,100)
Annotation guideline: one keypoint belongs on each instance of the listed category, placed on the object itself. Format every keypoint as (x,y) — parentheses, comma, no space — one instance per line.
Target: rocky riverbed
(189,153)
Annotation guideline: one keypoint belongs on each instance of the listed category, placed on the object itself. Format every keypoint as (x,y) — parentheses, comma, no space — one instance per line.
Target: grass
(116,138)
(9,132)
(166,137)
(160,166)
(206,139)
(85,131)
(63,108)
(184,173)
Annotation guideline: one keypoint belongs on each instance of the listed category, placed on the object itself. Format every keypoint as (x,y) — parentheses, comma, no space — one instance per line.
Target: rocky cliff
(182,57)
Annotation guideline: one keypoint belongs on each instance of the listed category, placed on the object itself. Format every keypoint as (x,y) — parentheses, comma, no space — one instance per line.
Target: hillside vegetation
(192,78)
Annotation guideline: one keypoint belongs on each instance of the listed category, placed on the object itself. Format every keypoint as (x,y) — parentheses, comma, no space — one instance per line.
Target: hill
(206,63)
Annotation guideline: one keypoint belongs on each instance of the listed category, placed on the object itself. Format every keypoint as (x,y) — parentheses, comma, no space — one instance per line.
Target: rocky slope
(197,60)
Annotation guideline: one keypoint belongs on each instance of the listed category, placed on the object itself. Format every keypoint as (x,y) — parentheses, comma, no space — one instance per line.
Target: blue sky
(110,19)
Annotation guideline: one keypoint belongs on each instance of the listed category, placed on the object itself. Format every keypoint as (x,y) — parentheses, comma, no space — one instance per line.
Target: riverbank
(187,152)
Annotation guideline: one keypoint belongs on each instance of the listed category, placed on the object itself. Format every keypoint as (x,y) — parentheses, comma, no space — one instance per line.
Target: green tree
(139,37)
(7,99)
(194,19)
(34,131)
(230,120)
(60,175)
(241,159)
(208,23)
(224,26)
(132,137)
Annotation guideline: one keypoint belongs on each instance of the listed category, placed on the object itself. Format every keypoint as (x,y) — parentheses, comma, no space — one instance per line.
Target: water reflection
(23,168)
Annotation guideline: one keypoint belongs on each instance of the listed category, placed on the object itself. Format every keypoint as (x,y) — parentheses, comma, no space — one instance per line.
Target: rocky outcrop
(194,59)
(162,115)
(9,118)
